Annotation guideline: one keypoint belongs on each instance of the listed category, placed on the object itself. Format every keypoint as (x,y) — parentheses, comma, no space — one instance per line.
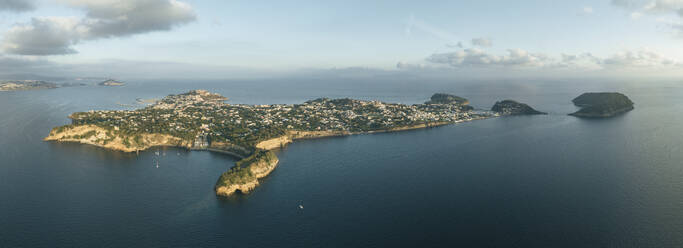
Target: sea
(520,181)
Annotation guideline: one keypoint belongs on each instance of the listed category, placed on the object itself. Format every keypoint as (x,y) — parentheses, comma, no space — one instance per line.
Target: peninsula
(202,120)
(17,85)
(602,105)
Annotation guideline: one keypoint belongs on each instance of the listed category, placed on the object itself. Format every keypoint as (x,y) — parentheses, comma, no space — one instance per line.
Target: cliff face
(97,136)
(231,189)
(244,176)
(282,141)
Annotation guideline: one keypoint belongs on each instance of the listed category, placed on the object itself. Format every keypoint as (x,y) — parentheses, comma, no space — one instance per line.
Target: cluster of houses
(202,115)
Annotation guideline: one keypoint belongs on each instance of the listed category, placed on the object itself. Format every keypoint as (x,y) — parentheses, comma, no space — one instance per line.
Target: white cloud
(584,61)
(587,10)
(482,42)
(651,7)
(640,58)
(104,19)
(478,57)
(518,58)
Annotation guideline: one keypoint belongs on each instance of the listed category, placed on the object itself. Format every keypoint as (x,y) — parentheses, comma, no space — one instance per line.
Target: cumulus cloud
(585,61)
(642,58)
(482,42)
(17,5)
(104,19)
(43,36)
(478,57)
(113,18)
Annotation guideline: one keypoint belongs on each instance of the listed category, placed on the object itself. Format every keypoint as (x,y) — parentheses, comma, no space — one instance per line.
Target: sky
(223,39)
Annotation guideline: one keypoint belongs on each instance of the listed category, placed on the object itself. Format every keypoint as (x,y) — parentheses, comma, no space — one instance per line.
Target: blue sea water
(528,181)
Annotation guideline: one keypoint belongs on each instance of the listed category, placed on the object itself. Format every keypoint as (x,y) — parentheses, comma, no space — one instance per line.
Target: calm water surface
(536,181)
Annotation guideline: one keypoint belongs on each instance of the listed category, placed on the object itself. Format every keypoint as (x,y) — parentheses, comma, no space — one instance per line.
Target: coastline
(243,177)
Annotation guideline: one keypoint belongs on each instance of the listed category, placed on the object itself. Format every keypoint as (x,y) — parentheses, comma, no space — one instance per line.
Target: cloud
(640,58)
(104,19)
(518,58)
(650,6)
(17,5)
(584,61)
(116,18)
(43,36)
(587,10)
(477,57)
(482,42)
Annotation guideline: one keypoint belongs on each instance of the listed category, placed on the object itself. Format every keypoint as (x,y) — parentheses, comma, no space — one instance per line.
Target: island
(17,85)
(201,120)
(602,104)
(511,107)
(111,82)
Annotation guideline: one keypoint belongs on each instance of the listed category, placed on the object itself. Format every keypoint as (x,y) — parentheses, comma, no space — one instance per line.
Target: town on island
(201,120)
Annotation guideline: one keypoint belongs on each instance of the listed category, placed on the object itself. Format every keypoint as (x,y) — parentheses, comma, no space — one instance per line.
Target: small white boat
(301,206)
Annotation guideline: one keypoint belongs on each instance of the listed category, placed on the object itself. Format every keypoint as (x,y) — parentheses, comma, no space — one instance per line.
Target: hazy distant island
(510,107)
(111,82)
(17,85)
(601,105)
(202,120)
(442,98)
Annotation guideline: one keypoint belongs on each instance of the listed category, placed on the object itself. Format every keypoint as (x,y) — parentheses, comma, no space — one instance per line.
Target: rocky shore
(97,136)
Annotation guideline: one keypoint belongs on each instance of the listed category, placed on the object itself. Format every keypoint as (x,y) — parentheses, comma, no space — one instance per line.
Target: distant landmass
(26,85)
(111,82)
(448,99)
(442,98)
(602,104)
(510,107)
